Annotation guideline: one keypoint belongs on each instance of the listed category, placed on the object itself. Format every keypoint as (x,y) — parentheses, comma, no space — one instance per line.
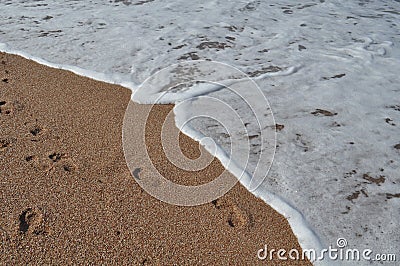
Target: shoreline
(308,239)
(66,187)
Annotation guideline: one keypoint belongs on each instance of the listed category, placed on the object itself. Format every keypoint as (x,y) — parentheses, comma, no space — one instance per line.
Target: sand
(68,197)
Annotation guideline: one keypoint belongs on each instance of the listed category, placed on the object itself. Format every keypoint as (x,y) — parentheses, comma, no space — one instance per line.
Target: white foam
(74,69)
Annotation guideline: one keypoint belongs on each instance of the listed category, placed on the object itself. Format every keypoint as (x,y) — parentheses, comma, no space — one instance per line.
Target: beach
(68,197)
(323,74)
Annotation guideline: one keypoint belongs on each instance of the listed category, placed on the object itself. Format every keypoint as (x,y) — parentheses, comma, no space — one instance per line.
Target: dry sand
(67,196)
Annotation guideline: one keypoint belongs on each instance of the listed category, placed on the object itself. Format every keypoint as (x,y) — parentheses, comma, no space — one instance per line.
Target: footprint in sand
(53,162)
(55,157)
(235,216)
(32,221)
(5,143)
(7,108)
(35,131)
